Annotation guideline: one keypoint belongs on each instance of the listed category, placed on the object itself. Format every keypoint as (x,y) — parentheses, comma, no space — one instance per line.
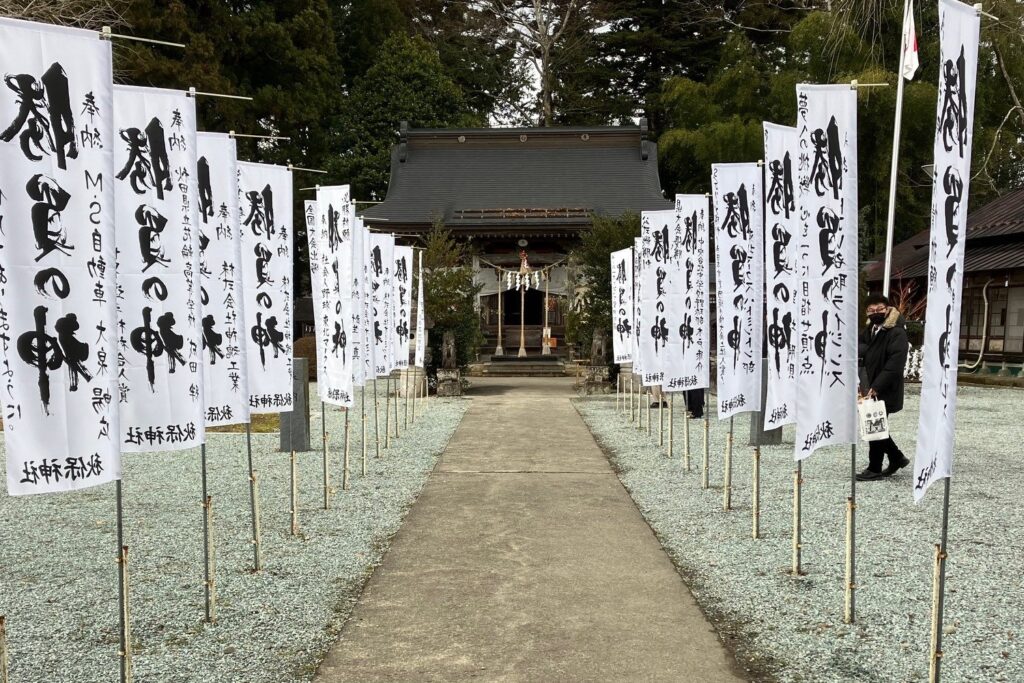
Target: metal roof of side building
(483,179)
(995,241)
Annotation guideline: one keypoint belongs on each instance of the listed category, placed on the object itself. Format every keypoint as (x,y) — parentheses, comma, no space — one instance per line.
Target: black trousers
(877,450)
(695,402)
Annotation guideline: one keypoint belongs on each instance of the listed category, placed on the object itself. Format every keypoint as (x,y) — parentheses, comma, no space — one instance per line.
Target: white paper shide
(959,27)
(156,197)
(739,273)
(58,321)
(265,208)
(827,268)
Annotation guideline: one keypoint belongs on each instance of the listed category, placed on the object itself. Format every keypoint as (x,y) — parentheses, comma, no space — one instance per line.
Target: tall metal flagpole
(891,220)
(254,504)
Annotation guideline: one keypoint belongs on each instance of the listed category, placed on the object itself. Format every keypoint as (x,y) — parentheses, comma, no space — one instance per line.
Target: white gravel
(792,629)
(58,578)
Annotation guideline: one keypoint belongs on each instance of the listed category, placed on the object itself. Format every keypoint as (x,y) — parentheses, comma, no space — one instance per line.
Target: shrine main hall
(506,191)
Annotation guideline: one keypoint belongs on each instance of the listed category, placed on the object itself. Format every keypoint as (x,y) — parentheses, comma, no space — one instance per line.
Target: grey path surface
(524,559)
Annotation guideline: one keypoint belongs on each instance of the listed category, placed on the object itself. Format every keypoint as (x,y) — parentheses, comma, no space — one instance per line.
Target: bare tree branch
(87,14)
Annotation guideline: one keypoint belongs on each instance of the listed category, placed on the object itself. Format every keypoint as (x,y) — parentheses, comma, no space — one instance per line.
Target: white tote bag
(874,421)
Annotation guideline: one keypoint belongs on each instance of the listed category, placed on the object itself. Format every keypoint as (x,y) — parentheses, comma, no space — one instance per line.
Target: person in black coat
(883,352)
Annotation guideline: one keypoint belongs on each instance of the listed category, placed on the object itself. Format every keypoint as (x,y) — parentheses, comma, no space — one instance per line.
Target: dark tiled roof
(995,241)
(477,178)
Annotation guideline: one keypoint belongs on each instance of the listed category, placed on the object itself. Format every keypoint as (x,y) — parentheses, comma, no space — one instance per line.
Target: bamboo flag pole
(650,397)
(797,547)
(705,475)
(756,490)
(344,468)
(686,432)
(387,412)
(661,419)
(376,417)
(209,581)
(295,482)
(939,590)
(3,650)
(363,401)
(671,416)
(408,372)
(849,615)
(124,613)
(254,504)
(727,488)
(327,471)
(398,433)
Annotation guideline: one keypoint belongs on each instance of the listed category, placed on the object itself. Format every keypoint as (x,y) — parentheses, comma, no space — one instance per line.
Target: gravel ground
(792,629)
(58,583)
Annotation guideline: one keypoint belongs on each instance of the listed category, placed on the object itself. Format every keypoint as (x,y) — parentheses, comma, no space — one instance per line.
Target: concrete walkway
(524,559)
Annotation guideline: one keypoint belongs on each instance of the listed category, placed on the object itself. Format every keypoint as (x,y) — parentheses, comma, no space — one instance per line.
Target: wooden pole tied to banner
(124,613)
(671,420)
(939,590)
(797,547)
(727,487)
(344,465)
(850,613)
(209,581)
(705,475)
(3,650)
(254,504)
(326,463)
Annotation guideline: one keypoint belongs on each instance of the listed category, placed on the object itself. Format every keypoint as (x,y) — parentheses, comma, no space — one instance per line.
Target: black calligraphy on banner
(781,147)
(57,310)
(825,271)
(266,251)
(334,240)
(959,28)
(692,370)
(226,366)
(160,239)
(402,297)
(662,287)
(739,240)
(622,305)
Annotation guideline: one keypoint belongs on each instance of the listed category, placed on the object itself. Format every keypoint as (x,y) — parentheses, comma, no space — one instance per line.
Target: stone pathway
(524,559)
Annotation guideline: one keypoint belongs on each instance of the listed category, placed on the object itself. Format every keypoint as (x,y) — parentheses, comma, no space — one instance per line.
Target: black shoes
(869,475)
(895,467)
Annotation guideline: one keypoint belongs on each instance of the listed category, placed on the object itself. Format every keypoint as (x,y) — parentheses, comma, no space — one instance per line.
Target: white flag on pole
(357,339)
(637,293)
(156,199)
(382,258)
(739,277)
(782,233)
(368,314)
(695,319)
(402,293)
(316,286)
(911,62)
(57,251)
(334,239)
(959,27)
(622,305)
(662,264)
(265,203)
(827,268)
(421,327)
(225,366)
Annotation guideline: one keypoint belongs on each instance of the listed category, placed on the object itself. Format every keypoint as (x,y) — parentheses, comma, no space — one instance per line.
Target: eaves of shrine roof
(476,178)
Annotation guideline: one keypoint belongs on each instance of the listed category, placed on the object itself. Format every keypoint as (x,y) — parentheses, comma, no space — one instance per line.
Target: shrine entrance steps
(524,559)
(533,365)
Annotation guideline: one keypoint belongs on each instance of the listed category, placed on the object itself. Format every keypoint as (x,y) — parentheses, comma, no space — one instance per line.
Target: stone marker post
(295,424)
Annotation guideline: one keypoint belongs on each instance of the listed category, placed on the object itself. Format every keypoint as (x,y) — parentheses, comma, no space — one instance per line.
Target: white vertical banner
(638,249)
(959,27)
(421,327)
(58,321)
(316,287)
(660,344)
(382,259)
(826,406)
(368,308)
(357,338)
(782,233)
(334,242)
(622,305)
(402,293)
(739,275)
(156,198)
(265,208)
(225,367)
(693,300)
